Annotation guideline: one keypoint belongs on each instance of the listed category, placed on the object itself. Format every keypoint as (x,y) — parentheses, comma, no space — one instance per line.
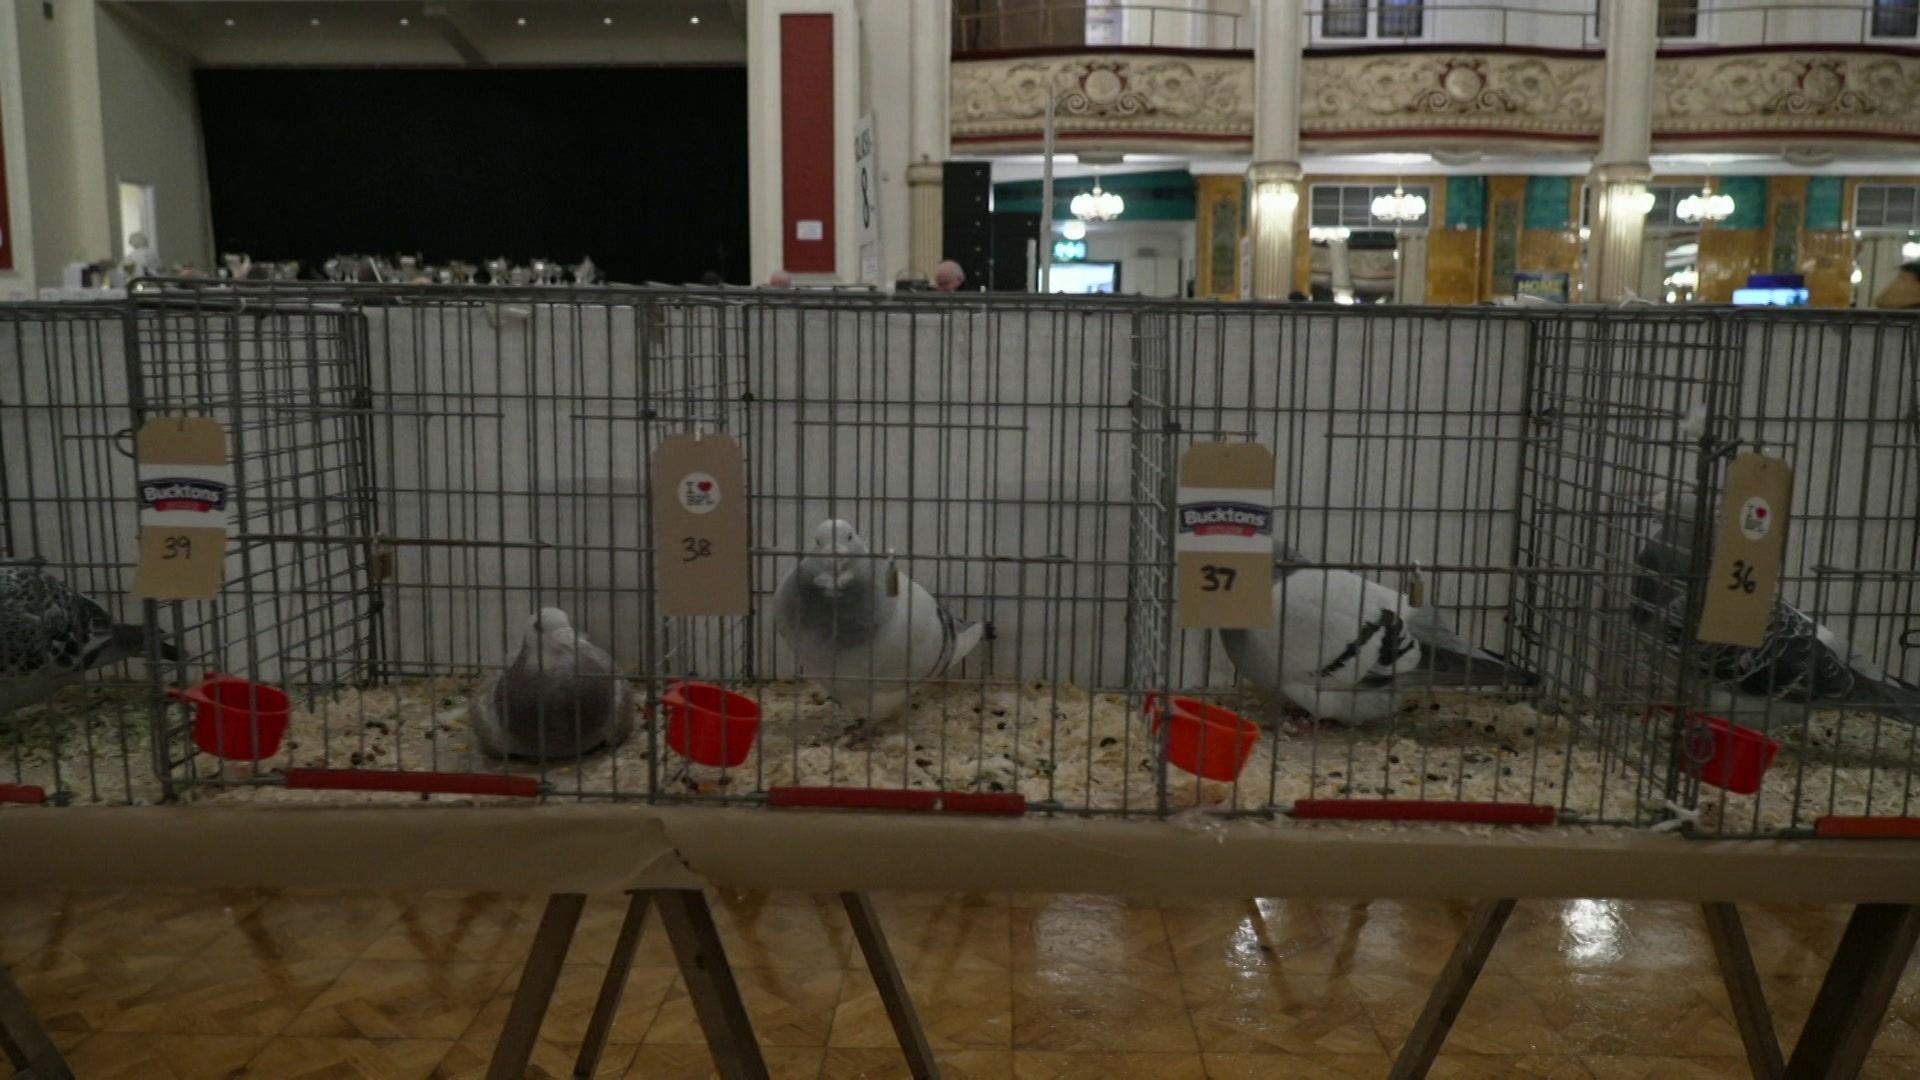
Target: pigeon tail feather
(965,642)
(1893,698)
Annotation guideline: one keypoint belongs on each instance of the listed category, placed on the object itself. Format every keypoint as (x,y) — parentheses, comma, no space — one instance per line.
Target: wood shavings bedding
(1060,746)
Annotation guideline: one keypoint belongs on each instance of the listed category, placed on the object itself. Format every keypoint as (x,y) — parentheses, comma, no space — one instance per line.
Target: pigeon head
(549,622)
(834,556)
(835,537)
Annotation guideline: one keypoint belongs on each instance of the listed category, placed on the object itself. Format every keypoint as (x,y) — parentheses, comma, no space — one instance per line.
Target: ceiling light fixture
(404,21)
(1327,234)
(1074,229)
(1399,206)
(521,21)
(1097,205)
(695,21)
(229,24)
(606,20)
(1704,207)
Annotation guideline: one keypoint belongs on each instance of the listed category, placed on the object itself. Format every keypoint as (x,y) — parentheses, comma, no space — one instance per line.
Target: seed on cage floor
(1107,740)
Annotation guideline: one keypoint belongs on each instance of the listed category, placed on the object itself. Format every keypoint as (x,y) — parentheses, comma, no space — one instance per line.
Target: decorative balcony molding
(1127,100)
(1426,93)
(1427,96)
(1733,95)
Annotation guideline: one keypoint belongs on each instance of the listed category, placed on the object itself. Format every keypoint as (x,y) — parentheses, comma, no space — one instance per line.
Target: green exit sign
(1069,250)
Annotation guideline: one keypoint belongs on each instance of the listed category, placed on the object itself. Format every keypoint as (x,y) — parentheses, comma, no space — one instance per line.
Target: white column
(1622,167)
(932,80)
(1274,179)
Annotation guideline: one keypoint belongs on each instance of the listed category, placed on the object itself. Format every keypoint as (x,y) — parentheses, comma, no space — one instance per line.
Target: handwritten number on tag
(1742,577)
(1219,578)
(696,548)
(178,547)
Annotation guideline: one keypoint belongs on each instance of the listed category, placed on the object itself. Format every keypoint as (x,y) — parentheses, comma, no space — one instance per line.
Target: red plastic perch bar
(1868,828)
(30,794)
(430,783)
(1476,813)
(953,802)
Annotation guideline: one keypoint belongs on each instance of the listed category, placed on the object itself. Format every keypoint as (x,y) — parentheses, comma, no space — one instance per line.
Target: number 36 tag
(184,484)
(1748,551)
(700,526)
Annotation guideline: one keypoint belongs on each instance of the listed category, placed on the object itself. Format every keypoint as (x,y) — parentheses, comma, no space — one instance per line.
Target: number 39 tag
(1748,552)
(184,484)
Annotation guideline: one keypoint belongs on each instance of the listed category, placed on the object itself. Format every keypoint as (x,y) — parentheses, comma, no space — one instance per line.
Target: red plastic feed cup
(709,725)
(1206,740)
(1741,757)
(236,719)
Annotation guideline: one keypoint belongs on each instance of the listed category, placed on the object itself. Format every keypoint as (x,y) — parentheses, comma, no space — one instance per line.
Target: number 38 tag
(1223,537)
(700,526)
(1748,551)
(184,483)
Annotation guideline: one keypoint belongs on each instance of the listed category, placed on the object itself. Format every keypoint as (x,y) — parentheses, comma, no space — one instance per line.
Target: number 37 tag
(700,526)
(1223,537)
(1748,551)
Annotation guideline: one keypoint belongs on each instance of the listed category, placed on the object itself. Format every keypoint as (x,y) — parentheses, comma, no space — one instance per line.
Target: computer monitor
(1770,297)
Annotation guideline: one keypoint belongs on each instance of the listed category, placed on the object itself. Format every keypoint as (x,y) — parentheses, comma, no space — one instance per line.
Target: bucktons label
(183,493)
(1226,519)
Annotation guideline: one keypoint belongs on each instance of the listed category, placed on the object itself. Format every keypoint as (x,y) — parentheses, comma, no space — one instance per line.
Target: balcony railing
(989,26)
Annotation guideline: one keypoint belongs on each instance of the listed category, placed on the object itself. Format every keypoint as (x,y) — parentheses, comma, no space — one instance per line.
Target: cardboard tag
(1223,537)
(184,484)
(700,526)
(1747,555)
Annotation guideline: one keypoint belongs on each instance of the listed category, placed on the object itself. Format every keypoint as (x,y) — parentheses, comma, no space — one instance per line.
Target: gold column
(1217,232)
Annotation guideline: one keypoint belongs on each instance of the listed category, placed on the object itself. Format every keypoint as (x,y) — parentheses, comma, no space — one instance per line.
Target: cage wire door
(299,607)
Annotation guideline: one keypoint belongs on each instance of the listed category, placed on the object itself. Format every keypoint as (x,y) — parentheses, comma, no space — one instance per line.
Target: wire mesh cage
(1500,495)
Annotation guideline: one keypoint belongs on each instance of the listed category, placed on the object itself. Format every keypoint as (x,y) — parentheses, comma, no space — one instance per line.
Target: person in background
(1904,292)
(948,277)
(779,279)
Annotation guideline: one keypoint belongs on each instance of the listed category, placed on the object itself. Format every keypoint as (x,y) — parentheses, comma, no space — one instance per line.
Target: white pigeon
(51,635)
(561,697)
(866,644)
(1345,648)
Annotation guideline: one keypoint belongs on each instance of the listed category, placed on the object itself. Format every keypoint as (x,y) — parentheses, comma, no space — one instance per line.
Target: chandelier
(1704,206)
(1097,205)
(1640,202)
(1399,206)
(1327,234)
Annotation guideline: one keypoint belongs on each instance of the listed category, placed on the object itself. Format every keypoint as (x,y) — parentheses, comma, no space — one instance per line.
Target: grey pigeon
(560,697)
(1345,648)
(51,635)
(1799,660)
(866,648)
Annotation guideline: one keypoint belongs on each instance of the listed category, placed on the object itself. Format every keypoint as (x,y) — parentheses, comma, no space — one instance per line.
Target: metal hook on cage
(1416,588)
(123,442)
(893,574)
